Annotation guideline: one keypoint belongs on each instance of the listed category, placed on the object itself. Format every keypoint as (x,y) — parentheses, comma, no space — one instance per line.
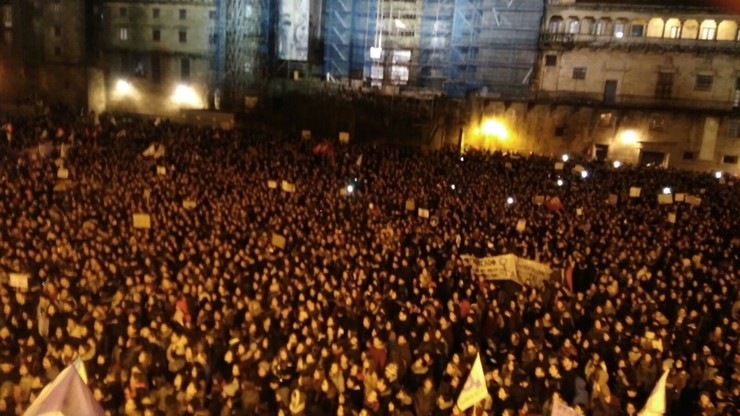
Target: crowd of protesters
(368,308)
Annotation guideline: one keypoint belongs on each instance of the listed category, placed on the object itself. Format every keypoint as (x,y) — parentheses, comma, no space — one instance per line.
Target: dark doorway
(601,151)
(653,159)
(610,92)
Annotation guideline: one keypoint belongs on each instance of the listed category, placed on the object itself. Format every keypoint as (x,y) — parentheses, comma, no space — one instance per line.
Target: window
(156,35)
(657,123)
(675,32)
(55,7)
(579,73)
(551,60)
(638,31)
(574,27)
(708,33)
(730,159)
(559,131)
(736,103)
(183,14)
(599,28)
(400,74)
(156,64)
(212,38)
(57,31)
(664,86)
(212,14)
(183,36)
(605,119)
(704,82)
(688,155)
(123,33)
(619,30)
(734,129)
(122,12)
(555,25)
(185,69)
(8,17)
(57,50)
(155,13)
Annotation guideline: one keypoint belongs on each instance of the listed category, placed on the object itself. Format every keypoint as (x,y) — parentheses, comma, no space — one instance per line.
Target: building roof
(730,5)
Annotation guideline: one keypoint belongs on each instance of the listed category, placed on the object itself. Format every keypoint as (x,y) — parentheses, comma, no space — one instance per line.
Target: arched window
(574,27)
(599,28)
(555,23)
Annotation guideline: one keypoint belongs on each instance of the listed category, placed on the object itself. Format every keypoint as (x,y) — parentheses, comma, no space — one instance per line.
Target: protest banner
(305,134)
(278,241)
(665,199)
(287,186)
(272,184)
(343,137)
(410,204)
(559,165)
(521,225)
(680,197)
(532,271)
(63,173)
(161,170)
(538,199)
(635,192)
(672,217)
(423,213)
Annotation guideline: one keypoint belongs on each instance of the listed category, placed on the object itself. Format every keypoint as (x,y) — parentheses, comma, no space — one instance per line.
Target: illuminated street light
(350,189)
(718,174)
(510,200)
(452,186)
(565,157)
(629,137)
(584,174)
(185,95)
(617,164)
(666,190)
(560,182)
(494,128)
(124,87)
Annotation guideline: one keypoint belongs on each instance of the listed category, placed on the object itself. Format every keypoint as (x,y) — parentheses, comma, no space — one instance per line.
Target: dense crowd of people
(368,308)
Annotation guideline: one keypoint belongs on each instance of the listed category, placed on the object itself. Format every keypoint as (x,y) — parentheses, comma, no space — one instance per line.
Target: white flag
(475,389)
(655,405)
(80,367)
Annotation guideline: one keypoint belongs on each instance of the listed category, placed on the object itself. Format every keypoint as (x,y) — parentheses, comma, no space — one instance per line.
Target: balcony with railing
(632,101)
(569,40)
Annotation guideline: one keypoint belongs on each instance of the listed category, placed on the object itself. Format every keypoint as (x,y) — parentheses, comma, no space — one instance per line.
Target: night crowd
(368,308)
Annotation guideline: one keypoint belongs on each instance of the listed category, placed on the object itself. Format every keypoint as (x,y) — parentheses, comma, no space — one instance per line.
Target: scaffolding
(349,33)
(241,49)
(481,45)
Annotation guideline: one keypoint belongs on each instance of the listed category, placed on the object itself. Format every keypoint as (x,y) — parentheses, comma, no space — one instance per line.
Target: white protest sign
(665,199)
(521,225)
(559,165)
(19,280)
(189,204)
(410,205)
(635,192)
(579,211)
(343,137)
(142,221)
(287,186)
(63,173)
(538,199)
(680,197)
(672,217)
(423,213)
(161,170)
(278,241)
(692,200)
(272,184)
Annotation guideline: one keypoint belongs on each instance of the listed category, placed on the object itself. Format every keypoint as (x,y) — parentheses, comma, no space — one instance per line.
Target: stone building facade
(640,83)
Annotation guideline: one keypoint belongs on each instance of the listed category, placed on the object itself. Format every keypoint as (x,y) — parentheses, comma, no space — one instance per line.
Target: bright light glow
(462,158)
(350,189)
(629,137)
(124,87)
(494,128)
(452,186)
(560,182)
(619,35)
(718,174)
(666,190)
(617,164)
(375,53)
(509,200)
(565,157)
(584,174)
(185,95)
